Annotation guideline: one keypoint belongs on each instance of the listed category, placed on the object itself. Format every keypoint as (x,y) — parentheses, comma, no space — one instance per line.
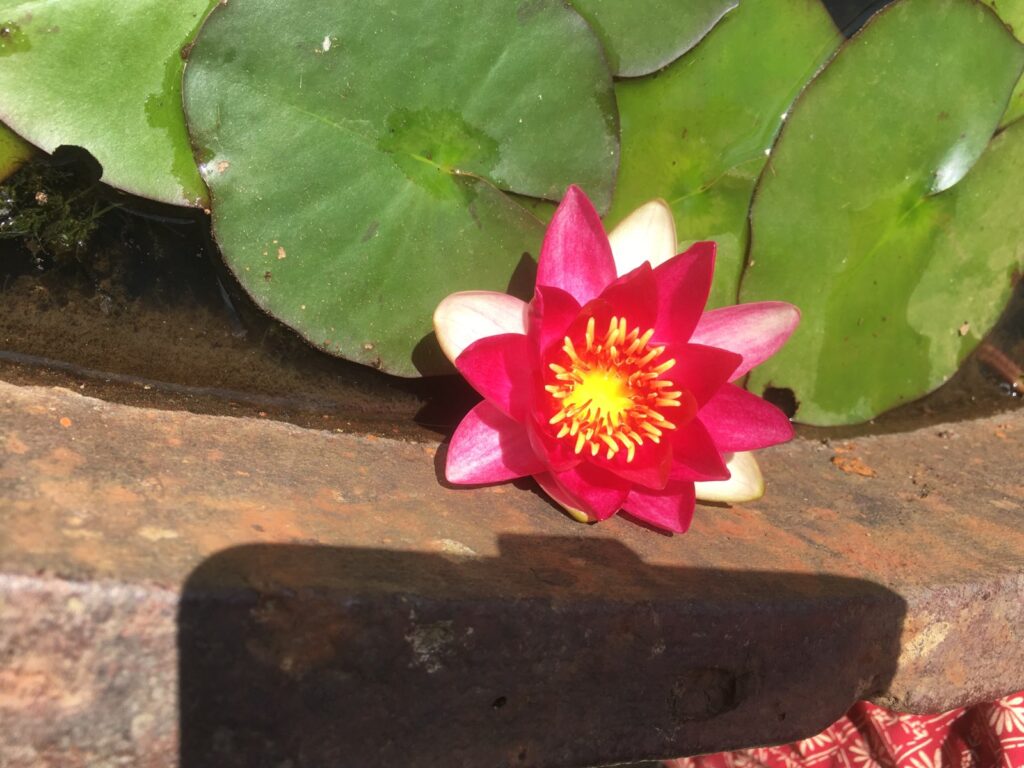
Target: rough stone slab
(323,599)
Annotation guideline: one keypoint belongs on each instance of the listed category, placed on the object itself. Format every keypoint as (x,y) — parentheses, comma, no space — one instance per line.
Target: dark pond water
(134,305)
(127,300)
(850,15)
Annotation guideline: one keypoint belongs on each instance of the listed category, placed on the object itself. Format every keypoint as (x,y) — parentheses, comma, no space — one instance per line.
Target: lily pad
(356,155)
(641,36)
(697,133)
(1012,14)
(878,219)
(14,151)
(107,77)
(1015,109)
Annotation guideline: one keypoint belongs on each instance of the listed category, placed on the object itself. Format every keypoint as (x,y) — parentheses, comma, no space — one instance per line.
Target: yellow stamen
(650,356)
(650,429)
(608,392)
(634,436)
(570,350)
(629,445)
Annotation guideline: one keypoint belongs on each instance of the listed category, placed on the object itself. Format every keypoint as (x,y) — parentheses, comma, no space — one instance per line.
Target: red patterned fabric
(983,736)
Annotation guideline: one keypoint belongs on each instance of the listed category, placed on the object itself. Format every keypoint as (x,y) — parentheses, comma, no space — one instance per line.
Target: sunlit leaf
(1012,14)
(641,36)
(883,216)
(104,76)
(696,133)
(356,155)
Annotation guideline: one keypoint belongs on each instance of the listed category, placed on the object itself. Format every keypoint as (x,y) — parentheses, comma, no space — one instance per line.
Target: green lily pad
(542,209)
(1015,109)
(1012,14)
(878,219)
(14,151)
(107,77)
(696,133)
(641,36)
(356,155)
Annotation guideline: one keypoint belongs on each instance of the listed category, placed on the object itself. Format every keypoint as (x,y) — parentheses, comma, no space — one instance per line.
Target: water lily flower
(613,387)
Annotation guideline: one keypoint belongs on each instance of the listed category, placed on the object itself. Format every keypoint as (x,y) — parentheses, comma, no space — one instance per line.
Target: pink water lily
(612,387)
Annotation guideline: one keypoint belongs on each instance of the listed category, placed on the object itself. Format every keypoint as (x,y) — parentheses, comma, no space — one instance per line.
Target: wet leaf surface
(358,158)
(106,77)
(641,36)
(696,133)
(883,216)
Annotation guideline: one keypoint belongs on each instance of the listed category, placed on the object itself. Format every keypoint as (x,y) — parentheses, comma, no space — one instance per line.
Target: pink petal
(552,311)
(497,367)
(650,466)
(683,286)
(576,256)
(740,421)
(633,296)
(558,453)
(671,509)
(462,318)
(755,331)
(648,234)
(573,506)
(700,370)
(695,456)
(489,447)
(600,493)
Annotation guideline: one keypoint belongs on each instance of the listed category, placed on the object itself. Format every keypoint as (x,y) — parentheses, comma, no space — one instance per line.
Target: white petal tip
(745,484)
(578,515)
(462,318)
(647,234)
(789,316)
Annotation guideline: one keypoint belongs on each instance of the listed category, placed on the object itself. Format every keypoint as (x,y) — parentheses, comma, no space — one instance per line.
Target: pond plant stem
(997,361)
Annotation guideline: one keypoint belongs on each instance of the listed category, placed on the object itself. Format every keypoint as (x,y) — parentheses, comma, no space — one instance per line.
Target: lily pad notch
(349,196)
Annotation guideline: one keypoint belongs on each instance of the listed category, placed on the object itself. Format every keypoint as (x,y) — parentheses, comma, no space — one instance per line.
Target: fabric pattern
(989,735)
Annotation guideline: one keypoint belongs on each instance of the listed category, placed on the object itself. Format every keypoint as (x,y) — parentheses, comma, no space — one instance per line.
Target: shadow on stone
(558,652)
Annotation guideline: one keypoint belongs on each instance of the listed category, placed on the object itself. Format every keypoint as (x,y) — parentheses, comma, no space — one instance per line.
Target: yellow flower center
(609,394)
